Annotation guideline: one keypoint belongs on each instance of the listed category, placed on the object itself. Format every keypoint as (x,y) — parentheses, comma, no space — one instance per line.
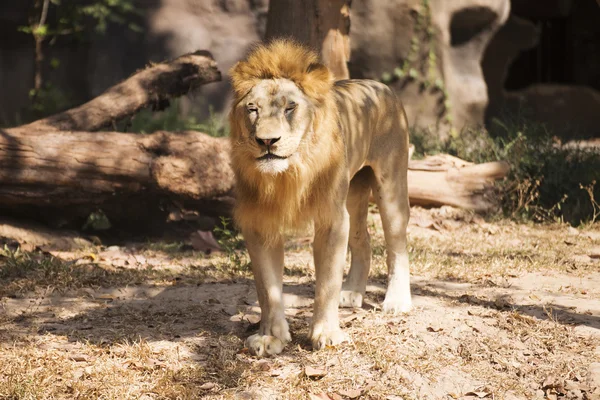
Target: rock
(549,103)
(549,9)
(514,37)
(547,81)
(459,32)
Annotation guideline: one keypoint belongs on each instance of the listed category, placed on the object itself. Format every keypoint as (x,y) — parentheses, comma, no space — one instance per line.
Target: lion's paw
(393,305)
(264,345)
(351,299)
(323,338)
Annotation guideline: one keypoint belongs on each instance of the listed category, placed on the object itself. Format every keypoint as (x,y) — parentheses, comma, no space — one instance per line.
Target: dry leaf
(320,396)
(204,241)
(207,386)
(434,329)
(422,221)
(553,384)
(351,393)
(251,318)
(481,395)
(79,357)
(314,373)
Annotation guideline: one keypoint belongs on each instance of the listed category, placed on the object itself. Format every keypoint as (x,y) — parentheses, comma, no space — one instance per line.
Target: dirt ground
(502,311)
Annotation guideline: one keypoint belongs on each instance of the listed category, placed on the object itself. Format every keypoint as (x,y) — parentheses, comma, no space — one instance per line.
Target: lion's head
(278,90)
(286,150)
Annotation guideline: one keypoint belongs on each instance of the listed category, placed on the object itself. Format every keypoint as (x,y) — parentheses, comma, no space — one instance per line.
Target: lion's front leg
(330,247)
(267,266)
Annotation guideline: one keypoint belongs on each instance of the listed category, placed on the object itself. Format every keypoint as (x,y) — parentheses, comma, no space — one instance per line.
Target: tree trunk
(150,87)
(322,24)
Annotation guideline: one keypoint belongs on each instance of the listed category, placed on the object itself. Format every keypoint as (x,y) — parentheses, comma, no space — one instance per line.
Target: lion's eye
(251,108)
(290,107)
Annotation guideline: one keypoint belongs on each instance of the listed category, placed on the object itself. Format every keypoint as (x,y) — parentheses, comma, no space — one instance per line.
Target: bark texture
(88,169)
(150,87)
(445,180)
(321,24)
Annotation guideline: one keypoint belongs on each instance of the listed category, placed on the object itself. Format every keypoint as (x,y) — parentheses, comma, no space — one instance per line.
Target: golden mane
(282,58)
(276,204)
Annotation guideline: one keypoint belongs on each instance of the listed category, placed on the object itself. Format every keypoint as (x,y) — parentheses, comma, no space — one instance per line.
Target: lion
(303,146)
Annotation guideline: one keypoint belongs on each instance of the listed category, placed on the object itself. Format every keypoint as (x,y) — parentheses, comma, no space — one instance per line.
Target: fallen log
(150,87)
(79,172)
(123,174)
(446,180)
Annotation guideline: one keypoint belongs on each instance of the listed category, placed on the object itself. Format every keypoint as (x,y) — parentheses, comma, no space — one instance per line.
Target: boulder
(444,46)
(570,111)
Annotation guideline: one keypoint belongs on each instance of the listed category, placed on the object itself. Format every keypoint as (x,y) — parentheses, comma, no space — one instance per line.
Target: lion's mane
(274,204)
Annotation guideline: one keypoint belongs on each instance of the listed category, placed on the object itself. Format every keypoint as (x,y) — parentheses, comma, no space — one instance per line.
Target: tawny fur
(306,150)
(287,59)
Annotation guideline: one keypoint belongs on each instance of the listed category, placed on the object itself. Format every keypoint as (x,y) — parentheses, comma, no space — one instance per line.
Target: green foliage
(547,181)
(50,19)
(421,63)
(71,17)
(233,246)
(48,100)
(97,221)
(147,121)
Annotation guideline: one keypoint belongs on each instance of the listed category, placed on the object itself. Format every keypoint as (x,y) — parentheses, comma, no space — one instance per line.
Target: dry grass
(489,318)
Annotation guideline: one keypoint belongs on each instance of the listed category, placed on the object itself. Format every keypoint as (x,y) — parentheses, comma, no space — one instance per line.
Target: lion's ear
(318,80)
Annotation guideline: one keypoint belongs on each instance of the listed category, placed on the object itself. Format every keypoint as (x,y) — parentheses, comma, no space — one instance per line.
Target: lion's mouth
(270,156)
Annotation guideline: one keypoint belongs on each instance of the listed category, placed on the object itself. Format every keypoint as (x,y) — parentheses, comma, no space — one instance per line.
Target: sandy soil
(502,310)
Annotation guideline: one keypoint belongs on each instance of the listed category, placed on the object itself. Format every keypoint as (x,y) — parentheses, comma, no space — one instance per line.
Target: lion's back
(369,114)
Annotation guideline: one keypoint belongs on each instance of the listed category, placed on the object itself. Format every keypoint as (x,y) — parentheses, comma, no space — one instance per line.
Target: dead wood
(446,180)
(150,87)
(126,175)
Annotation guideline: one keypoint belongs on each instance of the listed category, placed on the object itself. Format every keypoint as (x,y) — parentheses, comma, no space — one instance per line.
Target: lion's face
(277,116)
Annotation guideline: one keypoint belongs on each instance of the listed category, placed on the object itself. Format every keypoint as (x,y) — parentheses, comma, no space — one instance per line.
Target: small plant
(50,20)
(421,63)
(590,190)
(547,181)
(170,119)
(97,221)
(233,245)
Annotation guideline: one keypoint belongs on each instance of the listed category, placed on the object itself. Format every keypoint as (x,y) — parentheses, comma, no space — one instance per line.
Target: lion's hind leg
(391,194)
(353,289)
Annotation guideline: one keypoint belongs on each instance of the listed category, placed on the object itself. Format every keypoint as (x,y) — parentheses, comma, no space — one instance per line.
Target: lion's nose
(267,142)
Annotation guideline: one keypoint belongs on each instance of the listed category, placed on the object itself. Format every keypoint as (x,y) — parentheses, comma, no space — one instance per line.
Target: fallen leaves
(314,373)
(207,386)
(351,393)
(204,241)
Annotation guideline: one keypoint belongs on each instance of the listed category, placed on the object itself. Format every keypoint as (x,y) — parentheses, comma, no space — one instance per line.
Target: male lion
(302,147)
